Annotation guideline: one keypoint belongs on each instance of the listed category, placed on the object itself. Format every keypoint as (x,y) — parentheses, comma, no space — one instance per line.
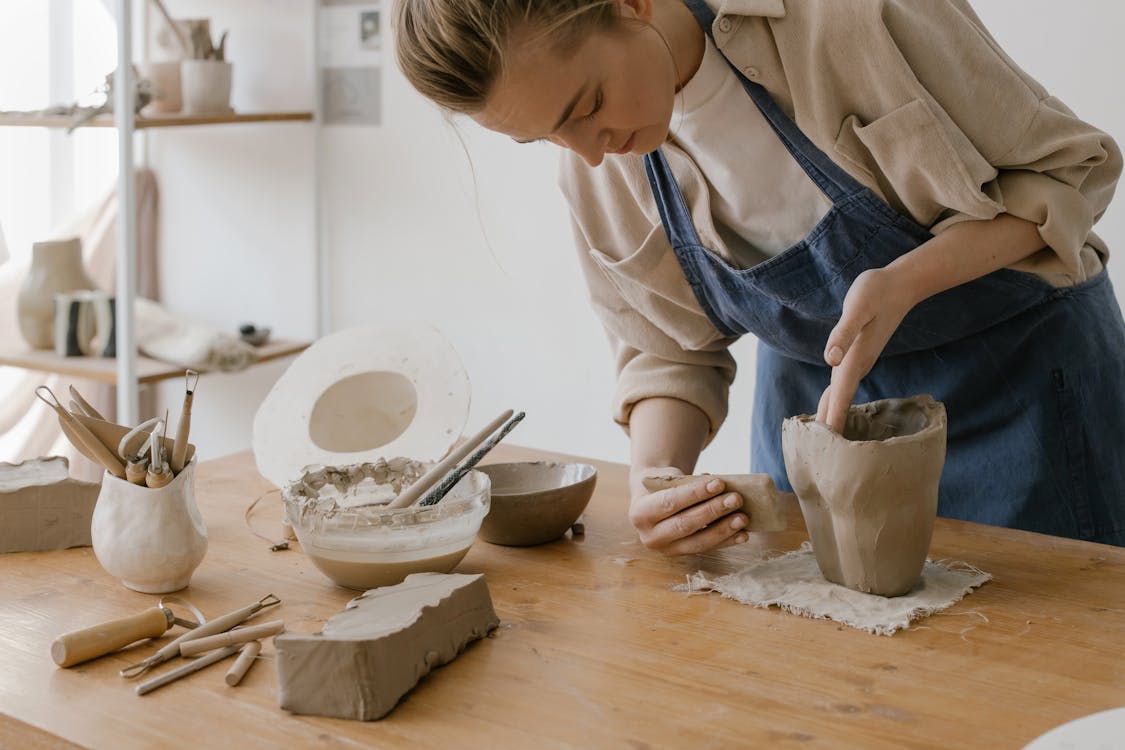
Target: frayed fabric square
(793,582)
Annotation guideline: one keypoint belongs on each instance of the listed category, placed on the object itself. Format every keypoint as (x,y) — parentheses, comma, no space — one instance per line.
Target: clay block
(42,508)
(761,500)
(371,654)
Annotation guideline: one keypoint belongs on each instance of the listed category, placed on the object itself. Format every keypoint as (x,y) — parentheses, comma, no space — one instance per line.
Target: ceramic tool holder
(150,538)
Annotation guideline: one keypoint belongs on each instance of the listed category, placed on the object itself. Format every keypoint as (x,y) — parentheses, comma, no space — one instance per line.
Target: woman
(871,188)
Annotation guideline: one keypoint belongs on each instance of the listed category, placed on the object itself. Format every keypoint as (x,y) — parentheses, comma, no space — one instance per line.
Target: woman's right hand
(686,520)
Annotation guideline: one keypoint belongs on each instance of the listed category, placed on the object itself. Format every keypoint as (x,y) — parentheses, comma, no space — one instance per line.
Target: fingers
(649,510)
(694,519)
(722,534)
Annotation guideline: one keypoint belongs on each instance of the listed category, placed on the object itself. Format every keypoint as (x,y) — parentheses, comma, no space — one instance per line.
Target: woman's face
(613,94)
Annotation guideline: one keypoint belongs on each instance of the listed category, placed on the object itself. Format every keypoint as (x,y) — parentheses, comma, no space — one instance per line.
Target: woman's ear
(638,9)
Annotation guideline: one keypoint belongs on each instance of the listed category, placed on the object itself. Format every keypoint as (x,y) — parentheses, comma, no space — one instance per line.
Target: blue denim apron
(1032,377)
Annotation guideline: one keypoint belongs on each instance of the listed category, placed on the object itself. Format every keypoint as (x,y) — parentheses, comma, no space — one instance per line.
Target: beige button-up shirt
(914,99)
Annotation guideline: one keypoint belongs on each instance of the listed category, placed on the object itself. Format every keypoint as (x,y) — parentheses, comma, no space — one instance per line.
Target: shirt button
(751,72)
(724,24)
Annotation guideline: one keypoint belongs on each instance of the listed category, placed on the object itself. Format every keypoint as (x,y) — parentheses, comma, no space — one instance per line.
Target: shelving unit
(129,370)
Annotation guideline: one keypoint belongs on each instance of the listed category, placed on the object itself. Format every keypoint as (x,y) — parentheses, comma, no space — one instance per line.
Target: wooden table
(595,648)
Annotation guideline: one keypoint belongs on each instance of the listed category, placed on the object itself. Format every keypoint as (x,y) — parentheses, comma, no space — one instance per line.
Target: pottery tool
(211,627)
(411,494)
(193,666)
(84,406)
(242,664)
(136,463)
(235,637)
(435,495)
(110,433)
(98,640)
(81,437)
(179,453)
(159,474)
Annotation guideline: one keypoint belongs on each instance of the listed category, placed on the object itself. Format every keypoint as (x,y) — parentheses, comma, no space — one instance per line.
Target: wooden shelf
(142,123)
(104,369)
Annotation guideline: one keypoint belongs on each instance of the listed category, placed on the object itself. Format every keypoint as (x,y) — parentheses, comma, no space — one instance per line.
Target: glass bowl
(362,546)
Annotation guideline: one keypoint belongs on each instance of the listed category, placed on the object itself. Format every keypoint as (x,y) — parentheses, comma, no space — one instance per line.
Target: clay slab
(42,508)
(763,502)
(375,651)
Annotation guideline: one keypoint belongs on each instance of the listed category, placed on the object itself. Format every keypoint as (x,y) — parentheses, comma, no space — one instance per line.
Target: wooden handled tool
(761,500)
(159,474)
(235,637)
(192,666)
(87,443)
(136,463)
(442,488)
(242,664)
(98,640)
(211,627)
(84,405)
(179,453)
(411,494)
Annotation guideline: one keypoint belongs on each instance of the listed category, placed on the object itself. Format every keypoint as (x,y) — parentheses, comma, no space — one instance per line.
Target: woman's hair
(452,51)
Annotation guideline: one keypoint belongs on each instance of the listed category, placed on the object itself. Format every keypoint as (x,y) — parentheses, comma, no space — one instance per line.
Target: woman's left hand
(874,307)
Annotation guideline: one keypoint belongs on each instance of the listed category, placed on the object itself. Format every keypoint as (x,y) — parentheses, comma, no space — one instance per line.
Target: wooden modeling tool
(159,474)
(235,637)
(84,406)
(98,640)
(211,627)
(434,496)
(242,664)
(136,462)
(110,433)
(411,494)
(193,666)
(81,437)
(179,453)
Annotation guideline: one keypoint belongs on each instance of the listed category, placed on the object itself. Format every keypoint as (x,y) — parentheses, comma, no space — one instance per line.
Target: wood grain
(595,649)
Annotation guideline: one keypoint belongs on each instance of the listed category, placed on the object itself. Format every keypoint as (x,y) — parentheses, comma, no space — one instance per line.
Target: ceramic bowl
(366,547)
(535,502)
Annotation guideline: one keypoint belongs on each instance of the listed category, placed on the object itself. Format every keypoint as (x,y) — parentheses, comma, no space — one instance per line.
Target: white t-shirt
(761,199)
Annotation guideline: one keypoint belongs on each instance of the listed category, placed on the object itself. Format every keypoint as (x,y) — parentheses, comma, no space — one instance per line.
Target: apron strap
(674,213)
(832,180)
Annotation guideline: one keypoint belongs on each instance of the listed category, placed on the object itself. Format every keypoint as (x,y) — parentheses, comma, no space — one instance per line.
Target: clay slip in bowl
(535,502)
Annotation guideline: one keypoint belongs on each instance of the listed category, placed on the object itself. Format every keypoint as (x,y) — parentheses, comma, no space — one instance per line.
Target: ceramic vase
(869,496)
(205,86)
(55,267)
(151,539)
(164,84)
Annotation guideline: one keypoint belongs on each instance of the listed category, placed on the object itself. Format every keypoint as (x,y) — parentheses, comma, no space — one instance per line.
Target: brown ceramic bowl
(535,502)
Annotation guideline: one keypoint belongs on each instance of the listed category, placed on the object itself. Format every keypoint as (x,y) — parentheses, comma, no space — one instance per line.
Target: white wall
(488,259)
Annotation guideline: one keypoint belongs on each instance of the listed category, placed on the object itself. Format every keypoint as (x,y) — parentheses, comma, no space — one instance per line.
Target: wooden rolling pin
(232,638)
(98,640)
(242,664)
(762,501)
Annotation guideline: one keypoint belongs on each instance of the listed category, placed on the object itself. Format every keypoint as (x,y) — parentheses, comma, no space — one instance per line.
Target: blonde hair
(452,51)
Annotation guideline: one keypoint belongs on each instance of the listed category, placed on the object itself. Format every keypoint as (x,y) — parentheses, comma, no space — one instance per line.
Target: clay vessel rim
(935,413)
(587,473)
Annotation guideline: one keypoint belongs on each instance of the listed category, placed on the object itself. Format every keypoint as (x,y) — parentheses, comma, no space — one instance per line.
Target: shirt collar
(766,8)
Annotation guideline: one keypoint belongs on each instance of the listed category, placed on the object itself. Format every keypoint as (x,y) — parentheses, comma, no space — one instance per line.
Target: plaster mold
(361,394)
(375,651)
(42,508)
(869,496)
(763,502)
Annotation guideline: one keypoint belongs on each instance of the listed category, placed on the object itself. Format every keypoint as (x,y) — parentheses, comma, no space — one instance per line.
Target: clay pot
(55,267)
(205,86)
(152,539)
(535,502)
(869,496)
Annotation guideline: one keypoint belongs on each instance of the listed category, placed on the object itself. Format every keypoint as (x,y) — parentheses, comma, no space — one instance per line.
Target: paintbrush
(179,452)
(424,482)
(435,495)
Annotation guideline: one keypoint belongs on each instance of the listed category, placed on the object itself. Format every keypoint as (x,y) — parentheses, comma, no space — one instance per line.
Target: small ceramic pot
(55,267)
(535,502)
(869,496)
(205,86)
(152,539)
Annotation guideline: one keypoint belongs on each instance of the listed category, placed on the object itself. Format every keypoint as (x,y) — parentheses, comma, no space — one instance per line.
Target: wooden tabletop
(595,649)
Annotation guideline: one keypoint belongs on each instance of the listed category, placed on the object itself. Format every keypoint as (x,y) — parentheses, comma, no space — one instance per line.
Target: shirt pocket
(911,156)
(652,282)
